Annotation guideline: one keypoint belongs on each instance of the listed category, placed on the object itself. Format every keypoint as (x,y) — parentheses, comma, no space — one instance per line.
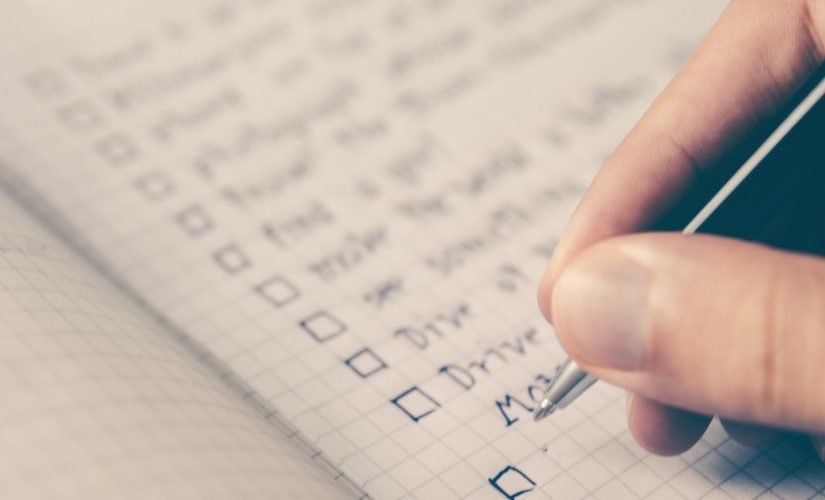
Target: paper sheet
(99,403)
(349,203)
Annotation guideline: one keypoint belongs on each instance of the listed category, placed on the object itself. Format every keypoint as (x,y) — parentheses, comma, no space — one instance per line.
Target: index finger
(757,55)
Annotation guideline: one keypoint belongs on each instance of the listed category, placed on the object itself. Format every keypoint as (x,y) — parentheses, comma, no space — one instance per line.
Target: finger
(662,429)
(751,435)
(718,326)
(759,52)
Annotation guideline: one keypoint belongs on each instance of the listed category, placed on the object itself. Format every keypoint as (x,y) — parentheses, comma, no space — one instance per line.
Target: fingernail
(598,304)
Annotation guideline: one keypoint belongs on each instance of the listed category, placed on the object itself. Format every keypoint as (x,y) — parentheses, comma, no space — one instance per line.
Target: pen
(776,197)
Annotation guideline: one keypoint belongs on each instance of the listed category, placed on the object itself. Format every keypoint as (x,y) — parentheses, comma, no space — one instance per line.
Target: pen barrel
(568,384)
(781,202)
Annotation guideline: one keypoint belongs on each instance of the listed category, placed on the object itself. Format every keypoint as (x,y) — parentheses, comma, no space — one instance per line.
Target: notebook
(272,249)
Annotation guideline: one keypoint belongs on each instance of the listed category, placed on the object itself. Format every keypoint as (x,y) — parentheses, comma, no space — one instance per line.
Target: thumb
(709,324)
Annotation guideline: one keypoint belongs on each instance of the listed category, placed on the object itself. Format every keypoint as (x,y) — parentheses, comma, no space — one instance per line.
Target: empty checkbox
(154,186)
(365,363)
(415,403)
(79,116)
(512,482)
(194,221)
(278,291)
(117,150)
(322,326)
(232,259)
(46,84)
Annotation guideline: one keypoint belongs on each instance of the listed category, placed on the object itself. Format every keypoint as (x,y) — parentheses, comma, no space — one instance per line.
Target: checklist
(342,208)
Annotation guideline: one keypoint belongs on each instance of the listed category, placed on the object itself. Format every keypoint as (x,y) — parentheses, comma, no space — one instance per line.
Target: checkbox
(232,259)
(322,326)
(365,363)
(194,221)
(46,84)
(154,186)
(117,150)
(512,482)
(79,116)
(278,291)
(416,404)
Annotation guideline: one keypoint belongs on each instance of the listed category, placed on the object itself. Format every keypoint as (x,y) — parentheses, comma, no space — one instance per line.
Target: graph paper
(347,205)
(100,403)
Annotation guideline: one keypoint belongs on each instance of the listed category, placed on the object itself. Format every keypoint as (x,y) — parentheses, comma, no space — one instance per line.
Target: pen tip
(545,409)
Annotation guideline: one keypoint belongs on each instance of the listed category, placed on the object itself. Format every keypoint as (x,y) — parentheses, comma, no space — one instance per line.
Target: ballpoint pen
(777,197)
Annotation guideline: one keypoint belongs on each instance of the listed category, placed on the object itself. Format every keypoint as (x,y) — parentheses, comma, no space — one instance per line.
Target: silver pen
(568,383)
(784,175)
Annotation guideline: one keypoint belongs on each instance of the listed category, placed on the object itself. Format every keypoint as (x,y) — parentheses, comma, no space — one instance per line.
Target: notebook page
(99,404)
(349,202)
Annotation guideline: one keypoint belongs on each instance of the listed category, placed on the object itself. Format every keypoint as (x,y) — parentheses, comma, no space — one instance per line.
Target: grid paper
(347,205)
(98,404)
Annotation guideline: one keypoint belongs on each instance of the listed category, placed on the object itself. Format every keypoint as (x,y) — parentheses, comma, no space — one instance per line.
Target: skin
(734,294)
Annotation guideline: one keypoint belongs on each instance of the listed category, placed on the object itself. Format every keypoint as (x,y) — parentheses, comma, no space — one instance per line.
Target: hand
(698,325)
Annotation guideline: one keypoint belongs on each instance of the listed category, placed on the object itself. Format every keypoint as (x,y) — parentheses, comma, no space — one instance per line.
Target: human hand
(698,325)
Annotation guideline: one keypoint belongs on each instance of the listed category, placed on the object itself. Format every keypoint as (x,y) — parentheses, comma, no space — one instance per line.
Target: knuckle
(791,345)
(769,386)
